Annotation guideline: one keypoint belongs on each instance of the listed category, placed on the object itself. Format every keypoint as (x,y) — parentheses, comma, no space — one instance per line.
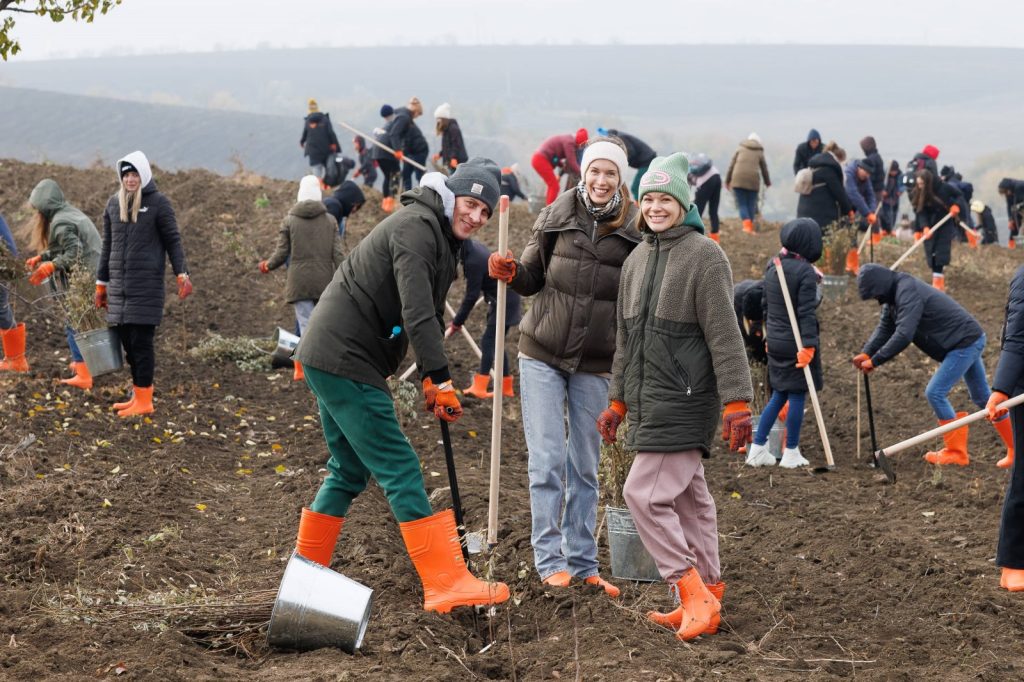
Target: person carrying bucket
(474,267)
(387,294)
(65,239)
(913,312)
(801,247)
(678,359)
(309,242)
(140,233)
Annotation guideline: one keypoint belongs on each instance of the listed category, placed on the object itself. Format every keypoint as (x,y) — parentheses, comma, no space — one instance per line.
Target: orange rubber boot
(598,581)
(388,204)
(479,387)
(126,403)
(82,378)
(748,226)
(674,618)
(1005,430)
(876,238)
(939,282)
(506,387)
(297,373)
(318,534)
(853,261)
(433,544)
(14,349)
(698,604)
(714,237)
(142,404)
(955,451)
(559,579)
(1012,579)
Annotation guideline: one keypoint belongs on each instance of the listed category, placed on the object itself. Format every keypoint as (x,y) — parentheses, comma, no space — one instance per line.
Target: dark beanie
(1006,184)
(386,110)
(479,178)
(126,167)
(752,302)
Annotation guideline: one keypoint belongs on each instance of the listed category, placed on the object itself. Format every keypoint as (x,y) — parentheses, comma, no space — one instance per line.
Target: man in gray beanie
(387,294)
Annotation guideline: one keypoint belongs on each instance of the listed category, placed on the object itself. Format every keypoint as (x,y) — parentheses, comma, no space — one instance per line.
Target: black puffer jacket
(133,258)
(317,137)
(827,202)
(405,135)
(746,300)
(452,145)
(938,249)
(1009,376)
(913,311)
(638,152)
(802,240)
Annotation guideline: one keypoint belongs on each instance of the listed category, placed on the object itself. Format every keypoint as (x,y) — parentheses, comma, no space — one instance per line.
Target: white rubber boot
(759,456)
(791,459)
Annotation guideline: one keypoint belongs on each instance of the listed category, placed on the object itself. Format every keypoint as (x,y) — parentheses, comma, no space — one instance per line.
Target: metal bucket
(317,607)
(284,342)
(101,350)
(834,287)
(776,437)
(630,559)
(536,203)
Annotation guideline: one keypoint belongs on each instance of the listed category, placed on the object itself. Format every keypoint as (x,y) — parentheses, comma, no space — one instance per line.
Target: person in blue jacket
(12,335)
(857,183)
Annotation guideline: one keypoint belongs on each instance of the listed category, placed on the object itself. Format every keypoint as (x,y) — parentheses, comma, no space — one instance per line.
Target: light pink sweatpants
(674,513)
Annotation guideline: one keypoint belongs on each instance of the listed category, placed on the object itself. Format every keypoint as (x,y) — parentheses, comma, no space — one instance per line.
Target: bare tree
(55,10)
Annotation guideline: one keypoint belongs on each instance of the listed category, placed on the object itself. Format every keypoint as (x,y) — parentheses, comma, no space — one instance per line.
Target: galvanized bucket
(101,350)
(776,437)
(629,558)
(284,342)
(536,203)
(317,607)
(834,287)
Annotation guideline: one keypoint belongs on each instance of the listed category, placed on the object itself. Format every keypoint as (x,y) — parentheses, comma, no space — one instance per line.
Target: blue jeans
(76,354)
(746,201)
(963,362)
(561,469)
(794,419)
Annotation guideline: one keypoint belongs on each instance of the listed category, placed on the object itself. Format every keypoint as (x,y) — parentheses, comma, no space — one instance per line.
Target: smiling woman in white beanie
(453,149)
(567,341)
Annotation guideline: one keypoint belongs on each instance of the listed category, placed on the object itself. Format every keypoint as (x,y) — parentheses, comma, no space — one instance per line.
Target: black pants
(137,341)
(708,195)
(391,173)
(408,171)
(1011,530)
(487,350)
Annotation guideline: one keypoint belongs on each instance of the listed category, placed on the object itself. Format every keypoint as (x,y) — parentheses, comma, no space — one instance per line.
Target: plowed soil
(829,575)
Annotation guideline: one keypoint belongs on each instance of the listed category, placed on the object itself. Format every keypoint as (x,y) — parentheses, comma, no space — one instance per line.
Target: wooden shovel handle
(946,428)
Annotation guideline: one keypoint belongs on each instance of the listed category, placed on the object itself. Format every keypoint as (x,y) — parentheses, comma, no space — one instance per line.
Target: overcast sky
(142,26)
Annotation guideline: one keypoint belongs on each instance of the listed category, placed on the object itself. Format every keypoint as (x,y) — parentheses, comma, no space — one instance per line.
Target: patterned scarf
(599,213)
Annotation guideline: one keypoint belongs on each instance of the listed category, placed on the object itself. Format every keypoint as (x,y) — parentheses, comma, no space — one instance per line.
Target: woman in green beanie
(679,358)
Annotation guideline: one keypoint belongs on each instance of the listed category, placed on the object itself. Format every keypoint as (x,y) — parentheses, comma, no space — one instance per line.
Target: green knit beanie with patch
(668,174)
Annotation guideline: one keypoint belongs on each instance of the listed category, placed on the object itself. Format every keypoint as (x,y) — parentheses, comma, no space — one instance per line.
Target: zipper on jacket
(645,311)
(684,374)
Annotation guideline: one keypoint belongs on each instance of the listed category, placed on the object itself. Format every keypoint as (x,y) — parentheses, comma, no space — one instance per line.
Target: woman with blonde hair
(139,233)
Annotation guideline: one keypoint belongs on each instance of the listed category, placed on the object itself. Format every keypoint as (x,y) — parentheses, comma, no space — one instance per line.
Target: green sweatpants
(364,440)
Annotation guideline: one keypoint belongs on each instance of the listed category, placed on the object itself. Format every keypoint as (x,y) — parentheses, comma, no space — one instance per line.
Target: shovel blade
(882,462)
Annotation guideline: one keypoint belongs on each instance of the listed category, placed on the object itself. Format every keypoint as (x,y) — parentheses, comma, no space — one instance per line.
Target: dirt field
(835,575)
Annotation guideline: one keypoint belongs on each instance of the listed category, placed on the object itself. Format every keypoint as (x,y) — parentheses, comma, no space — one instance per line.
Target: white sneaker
(791,459)
(759,456)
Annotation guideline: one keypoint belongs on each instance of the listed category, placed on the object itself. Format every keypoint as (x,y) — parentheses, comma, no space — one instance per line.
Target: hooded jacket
(397,276)
(913,312)
(871,155)
(558,149)
(405,135)
(679,356)
(859,192)
(801,240)
(134,255)
(804,152)
(574,271)
(746,300)
(72,237)
(317,137)
(638,153)
(748,167)
(827,201)
(309,236)
(344,199)
(452,145)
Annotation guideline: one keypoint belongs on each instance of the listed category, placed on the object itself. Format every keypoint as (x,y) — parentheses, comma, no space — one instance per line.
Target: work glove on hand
(736,426)
(436,157)
(184,286)
(995,412)
(32,262)
(400,155)
(101,296)
(452,330)
(263,267)
(454,163)
(503,269)
(866,366)
(42,272)
(446,403)
(954,210)
(859,358)
(872,219)
(609,420)
(804,357)
(429,394)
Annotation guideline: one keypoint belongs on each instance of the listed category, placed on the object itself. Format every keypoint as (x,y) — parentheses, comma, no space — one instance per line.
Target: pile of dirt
(829,575)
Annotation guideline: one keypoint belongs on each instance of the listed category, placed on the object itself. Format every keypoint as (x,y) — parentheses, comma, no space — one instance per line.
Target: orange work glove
(333,147)
(872,219)
(436,157)
(400,155)
(263,267)
(32,262)
(608,422)
(860,358)
(101,296)
(503,269)
(917,236)
(804,357)
(867,367)
(454,163)
(954,210)
(995,412)
(184,286)
(736,425)
(446,403)
(42,272)
(429,394)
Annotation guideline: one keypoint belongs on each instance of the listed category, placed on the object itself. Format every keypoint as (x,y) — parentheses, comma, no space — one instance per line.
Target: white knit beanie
(602,148)
(443,111)
(755,137)
(309,189)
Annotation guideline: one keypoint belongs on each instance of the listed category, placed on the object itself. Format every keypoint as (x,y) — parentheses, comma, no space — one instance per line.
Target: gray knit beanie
(479,178)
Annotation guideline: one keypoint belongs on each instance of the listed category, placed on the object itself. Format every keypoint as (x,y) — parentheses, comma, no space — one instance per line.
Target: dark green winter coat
(398,276)
(73,238)
(679,355)
(310,236)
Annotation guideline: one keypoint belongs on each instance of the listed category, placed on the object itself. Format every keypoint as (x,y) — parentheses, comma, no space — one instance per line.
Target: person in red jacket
(558,150)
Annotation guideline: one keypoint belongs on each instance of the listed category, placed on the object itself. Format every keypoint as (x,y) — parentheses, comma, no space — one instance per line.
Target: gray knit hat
(479,178)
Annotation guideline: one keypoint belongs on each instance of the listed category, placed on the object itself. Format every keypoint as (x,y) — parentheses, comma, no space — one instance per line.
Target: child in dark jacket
(801,246)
